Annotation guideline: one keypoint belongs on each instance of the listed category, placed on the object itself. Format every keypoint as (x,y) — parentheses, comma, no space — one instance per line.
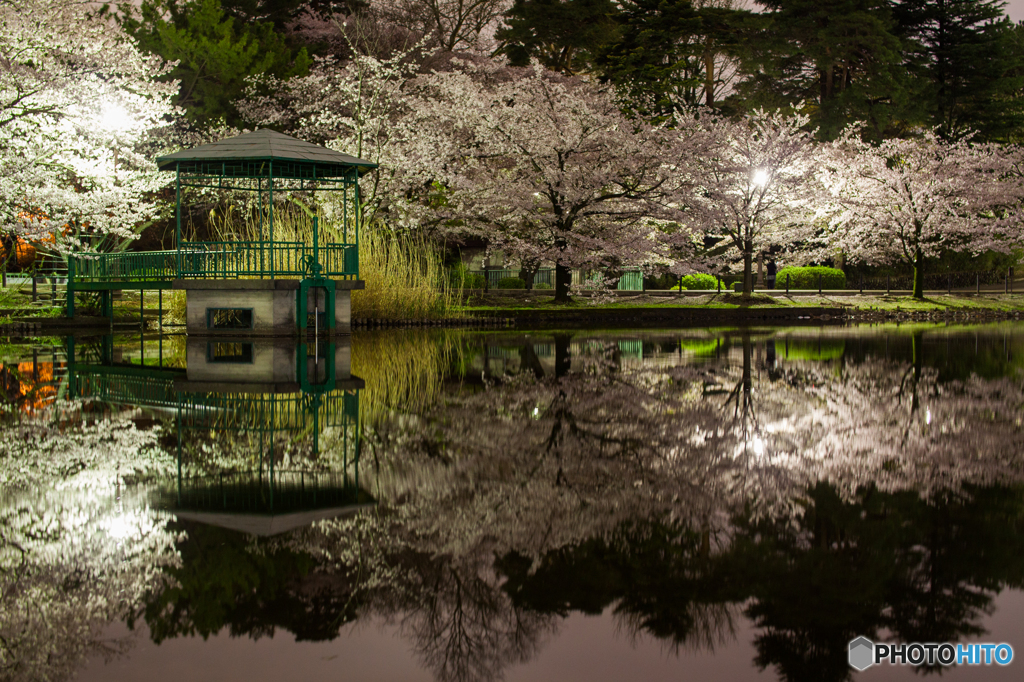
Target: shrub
(541,285)
(474,280)
(661,282)
(511,283)
(174,310)
(461,277)
(807,278)
(699,281)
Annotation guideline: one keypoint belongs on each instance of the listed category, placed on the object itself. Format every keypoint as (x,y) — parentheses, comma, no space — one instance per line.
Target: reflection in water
(821,484)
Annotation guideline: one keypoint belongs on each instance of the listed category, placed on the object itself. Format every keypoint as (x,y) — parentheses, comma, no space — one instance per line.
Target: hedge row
(807,278)
(699,282)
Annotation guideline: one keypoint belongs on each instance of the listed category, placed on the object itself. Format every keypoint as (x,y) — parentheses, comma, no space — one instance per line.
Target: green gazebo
(263,286)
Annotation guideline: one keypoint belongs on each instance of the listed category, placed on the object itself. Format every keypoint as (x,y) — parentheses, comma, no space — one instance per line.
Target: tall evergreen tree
(841,58)
(671,56)
(969,58)
(563,35)
(215,52)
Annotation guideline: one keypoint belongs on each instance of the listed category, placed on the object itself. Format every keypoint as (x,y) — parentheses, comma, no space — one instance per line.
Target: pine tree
(563,35)
(970,62)
(841,58)
(215,52)
(670,56)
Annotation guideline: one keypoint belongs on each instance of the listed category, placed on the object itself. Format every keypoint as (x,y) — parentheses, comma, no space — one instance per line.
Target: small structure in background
(259,285)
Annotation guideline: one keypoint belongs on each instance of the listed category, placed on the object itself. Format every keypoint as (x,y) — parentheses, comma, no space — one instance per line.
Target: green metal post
(359,216)
(72,387)
(272,404)
(302,308)
(316,245)
(329,308)
(270,200)
(70,288)
(259,193)
(177,212)
(316,422)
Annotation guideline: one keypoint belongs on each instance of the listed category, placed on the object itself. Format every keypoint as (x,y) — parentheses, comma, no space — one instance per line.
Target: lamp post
(115,119)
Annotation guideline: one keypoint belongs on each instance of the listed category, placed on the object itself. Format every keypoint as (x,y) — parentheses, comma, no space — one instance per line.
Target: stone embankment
(455,322)
(950,316)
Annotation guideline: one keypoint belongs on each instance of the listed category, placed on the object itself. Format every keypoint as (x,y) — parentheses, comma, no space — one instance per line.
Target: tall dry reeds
(404,274)
(405,279)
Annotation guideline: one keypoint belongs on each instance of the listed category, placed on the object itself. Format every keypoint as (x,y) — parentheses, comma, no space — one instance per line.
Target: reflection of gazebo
(265,396)
(263,285)
(266,504)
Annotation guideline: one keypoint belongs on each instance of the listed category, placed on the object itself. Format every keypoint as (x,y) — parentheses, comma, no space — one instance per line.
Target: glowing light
(121,526)
(115,118)
(928,416)
(758,445)
(760,178)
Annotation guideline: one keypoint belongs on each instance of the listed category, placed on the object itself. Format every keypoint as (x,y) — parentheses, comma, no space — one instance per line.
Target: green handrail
(218,260)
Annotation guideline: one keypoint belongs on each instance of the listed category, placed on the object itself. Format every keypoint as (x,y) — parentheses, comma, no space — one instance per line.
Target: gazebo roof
(246,156)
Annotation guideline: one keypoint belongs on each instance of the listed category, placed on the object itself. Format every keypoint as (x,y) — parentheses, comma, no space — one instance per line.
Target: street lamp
(115,119)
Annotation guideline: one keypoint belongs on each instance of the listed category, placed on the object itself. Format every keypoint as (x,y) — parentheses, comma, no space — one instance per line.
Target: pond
(461,506)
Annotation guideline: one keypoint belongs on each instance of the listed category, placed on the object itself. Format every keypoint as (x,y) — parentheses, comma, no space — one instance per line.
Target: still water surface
(700,504)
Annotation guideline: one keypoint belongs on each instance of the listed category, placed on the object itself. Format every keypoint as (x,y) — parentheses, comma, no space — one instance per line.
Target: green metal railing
(142,266)
(219,260)
(145,387)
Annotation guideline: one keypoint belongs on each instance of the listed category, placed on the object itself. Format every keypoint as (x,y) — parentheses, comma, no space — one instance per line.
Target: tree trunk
(563,358)
(563,278)
(709,78)
(918,274)
(748,276)
(529,361)
(526,273)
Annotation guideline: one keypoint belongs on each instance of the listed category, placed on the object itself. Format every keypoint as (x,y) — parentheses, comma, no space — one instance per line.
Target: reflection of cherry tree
(78,550)
(672,495)
(544,464)
(896,426)
(464,626)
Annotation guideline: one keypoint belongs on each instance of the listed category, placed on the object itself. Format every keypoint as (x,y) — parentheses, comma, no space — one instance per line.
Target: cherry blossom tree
(357,107)
(448,25)
(77,99)
(904,200)
(547,168)
(756,184)
(542,166)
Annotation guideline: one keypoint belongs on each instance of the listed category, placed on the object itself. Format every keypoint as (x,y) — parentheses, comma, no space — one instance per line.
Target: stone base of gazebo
(267,307)
(224,364)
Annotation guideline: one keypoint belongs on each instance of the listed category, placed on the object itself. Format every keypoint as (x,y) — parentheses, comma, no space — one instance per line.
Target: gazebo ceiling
(247,156)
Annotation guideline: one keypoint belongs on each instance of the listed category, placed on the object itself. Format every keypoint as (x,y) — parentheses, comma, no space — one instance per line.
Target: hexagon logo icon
(862,653)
